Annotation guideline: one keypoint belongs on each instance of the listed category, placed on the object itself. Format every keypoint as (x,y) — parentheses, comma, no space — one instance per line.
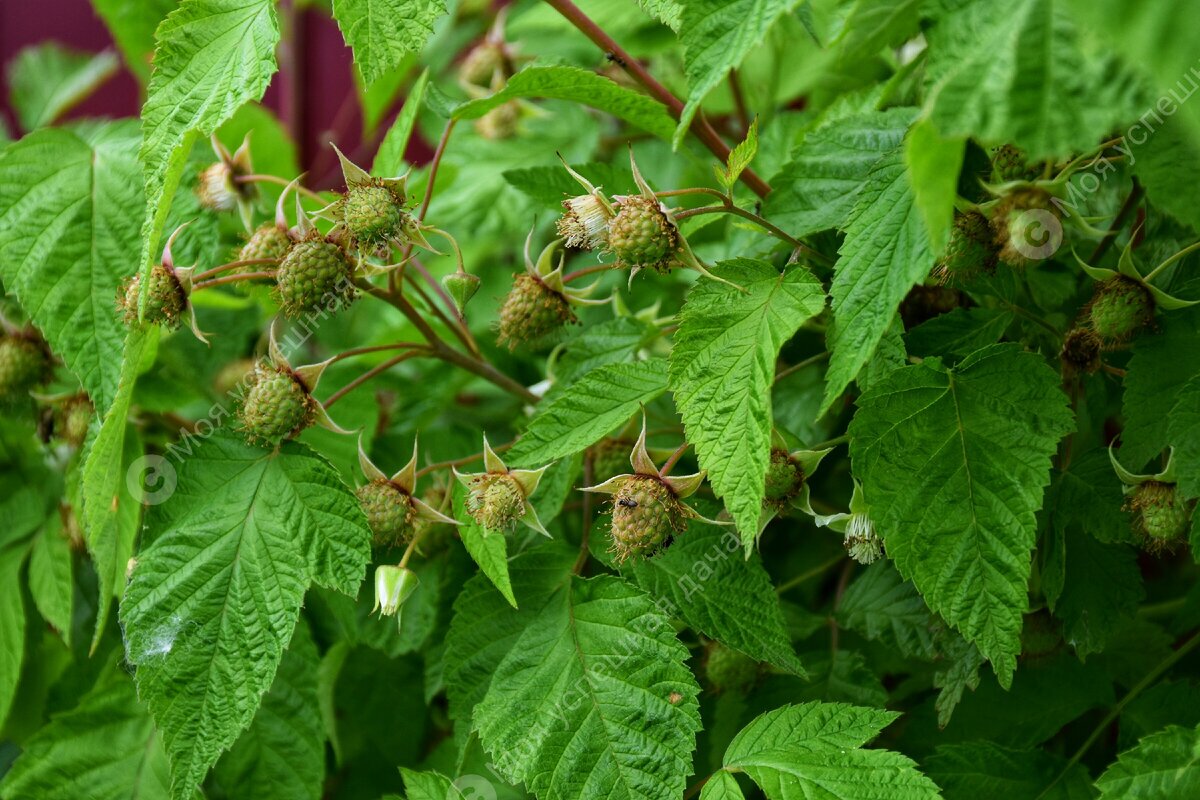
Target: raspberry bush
(655,399)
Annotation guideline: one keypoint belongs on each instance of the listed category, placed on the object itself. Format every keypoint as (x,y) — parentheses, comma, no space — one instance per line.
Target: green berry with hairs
(277,406)
(373,214)
(315,274)
(1120,308)
(640,235)
(166,303)
(531,311)
(784,480)
(728,670)
(390,512)
(24,364)
(496,501)
(645,514)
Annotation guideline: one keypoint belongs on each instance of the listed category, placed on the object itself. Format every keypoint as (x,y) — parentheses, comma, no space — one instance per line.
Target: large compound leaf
(69,201)
(886,253)
(815,750)
(818,187)
(103,749)
(282,753)
(214,599)
(953,465)
(212,56)
(1163,766)
(593,698)
(581,86)
(722,368)
(1162,364)
(382,32)
(590,408)
(884,607)
(972,770)
(1183,428)
(716,36)
(1014,72)
(703,579)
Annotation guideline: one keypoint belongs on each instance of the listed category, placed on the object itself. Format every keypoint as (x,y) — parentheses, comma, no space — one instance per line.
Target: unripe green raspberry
(1081,350)
(276,407)
(166,302)
(641,235)
(72,419)
(480,65)
(496,501)
(969,250)
(610,457)
(315,274)
(501,122)
(645,514)
(530,311)
(1120,307)
(1008,218)
(1162,515)
(390,512)
(923,303)
(727,670)
(24,363)
(1010,164)
(372,213)
(268,241)
(784,480)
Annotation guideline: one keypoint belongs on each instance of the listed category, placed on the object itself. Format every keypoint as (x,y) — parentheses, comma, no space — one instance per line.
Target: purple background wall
(317,101)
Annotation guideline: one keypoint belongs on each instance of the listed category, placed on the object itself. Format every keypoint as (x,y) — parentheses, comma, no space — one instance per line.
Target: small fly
(625,501)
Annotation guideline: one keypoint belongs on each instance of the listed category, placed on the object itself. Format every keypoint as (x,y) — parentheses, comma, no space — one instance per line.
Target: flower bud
(393,586)
(462,286)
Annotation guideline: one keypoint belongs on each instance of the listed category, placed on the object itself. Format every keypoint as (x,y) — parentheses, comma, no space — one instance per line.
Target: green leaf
(959,332)
(593,696)
(818,188)
(1162,364)
(1156,163)
(103,749)
(953,465)
(1088,494)
(933,166)
(48,80)
(111,508)
(490,551)
(282,753)
(389,159)
(972,770)
(50,578)
(383,32)
(1015,72)
(609,342)
(68,204)
(590,408)
(483,628)
(722,368)
(214,599)
(716,36)
(871,25)
(886,253)
(667,12)
(132,26)
(884,607)
(1148,38)
(961,661)
(703,579)
(429,786)
(12,624)
(815,750)
(212,56)
(722,786)
(739,157)
(582,86)
(1183,427)
(1163,766)
(1102,585)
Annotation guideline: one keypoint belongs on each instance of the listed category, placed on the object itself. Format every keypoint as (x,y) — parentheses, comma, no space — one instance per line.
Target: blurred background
(315,93)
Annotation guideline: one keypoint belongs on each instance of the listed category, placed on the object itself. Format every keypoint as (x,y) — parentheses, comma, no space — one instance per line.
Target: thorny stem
(372,372)
(810,574)
(699,126)
(1145,683)
(581,561)
(774,230)
(808,362)
(439,349)
(1127,208)
(250,262)
(242,276)
(1185,251)
(309,193)
(458,462)
(673,460)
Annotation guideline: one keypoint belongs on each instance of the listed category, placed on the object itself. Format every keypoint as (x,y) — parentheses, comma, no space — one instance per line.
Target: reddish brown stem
(700,127)
(243,276)
(371,373)
(249,262)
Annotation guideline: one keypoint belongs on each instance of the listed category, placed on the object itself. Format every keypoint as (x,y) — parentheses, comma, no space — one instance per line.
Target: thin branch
(1127,208)
(371,373)
(249,262)
(241,276)
(699,126)
(458,462)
